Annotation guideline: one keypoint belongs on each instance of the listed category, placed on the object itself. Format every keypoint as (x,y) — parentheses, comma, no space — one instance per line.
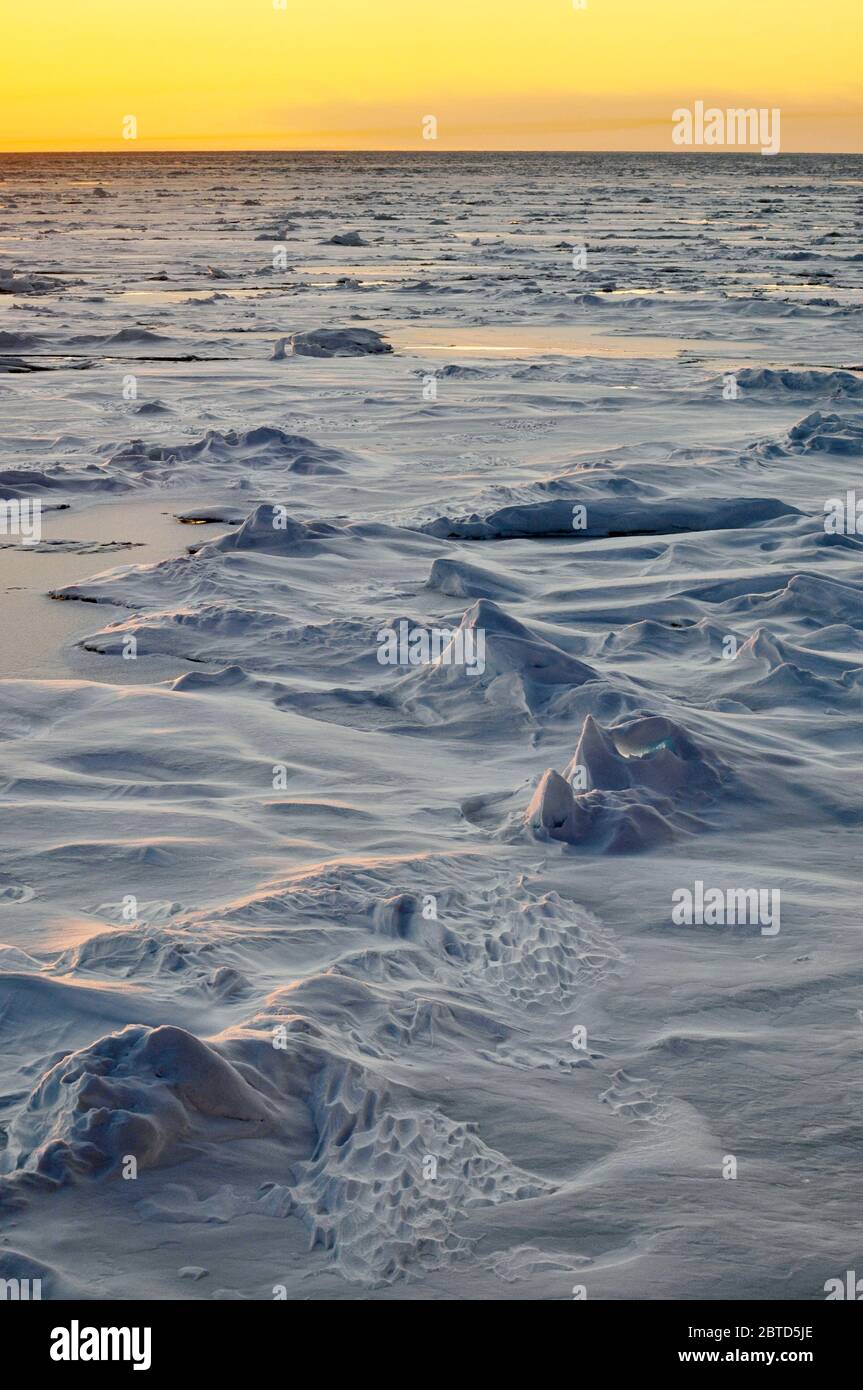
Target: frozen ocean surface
(352,978)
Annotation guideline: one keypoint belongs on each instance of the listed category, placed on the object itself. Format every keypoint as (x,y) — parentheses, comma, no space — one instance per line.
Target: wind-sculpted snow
(364,1195)
(652,752)
(828,434)
(333,342)
(235,454)
(149,1092)
(630,786)
(261,457)
(424,626)
(587,518)
(613,822)
(24,282)
(767,382)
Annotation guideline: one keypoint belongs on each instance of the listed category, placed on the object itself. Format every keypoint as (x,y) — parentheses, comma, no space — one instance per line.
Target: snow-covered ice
(359,978)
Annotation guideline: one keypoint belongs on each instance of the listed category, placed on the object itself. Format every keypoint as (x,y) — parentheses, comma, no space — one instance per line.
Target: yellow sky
(362,74)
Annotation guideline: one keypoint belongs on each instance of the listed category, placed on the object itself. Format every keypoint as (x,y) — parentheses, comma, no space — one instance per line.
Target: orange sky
(362,74)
